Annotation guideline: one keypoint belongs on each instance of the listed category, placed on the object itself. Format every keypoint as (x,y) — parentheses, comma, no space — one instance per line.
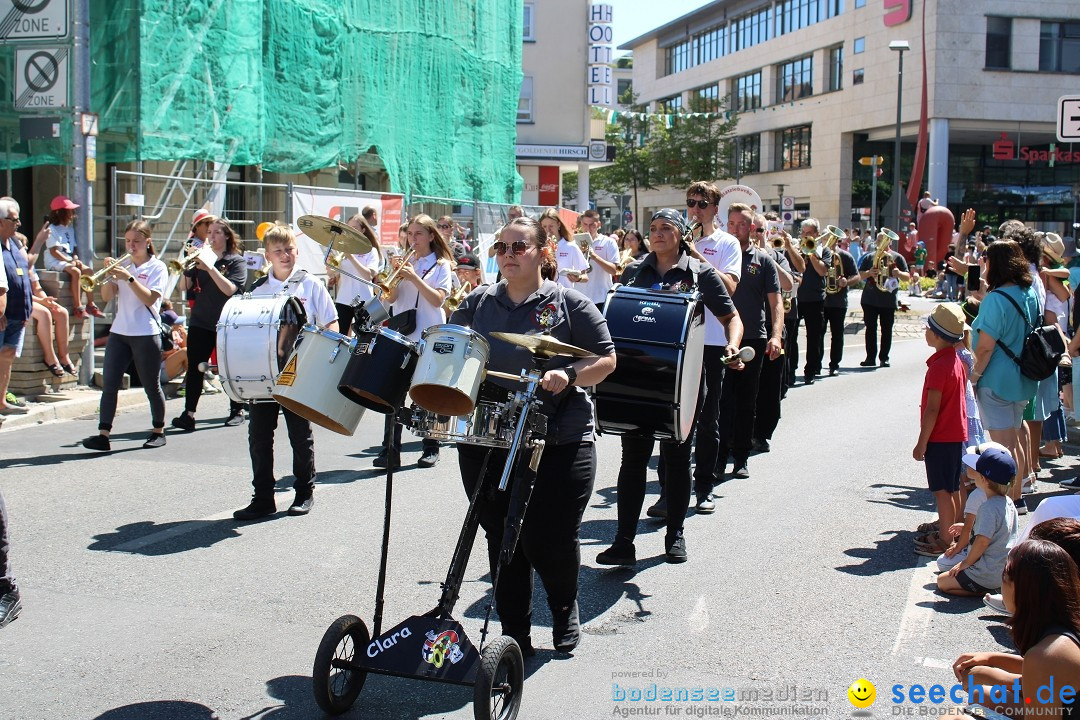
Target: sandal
(92,309)
(54,369)
(68,368)
(927,527)
(79,312)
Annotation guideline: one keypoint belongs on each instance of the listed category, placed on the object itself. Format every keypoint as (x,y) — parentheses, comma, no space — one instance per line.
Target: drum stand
(434,646)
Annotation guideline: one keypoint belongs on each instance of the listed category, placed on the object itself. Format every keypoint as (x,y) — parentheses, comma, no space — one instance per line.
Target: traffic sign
(1068,118)
(872,160)
(628,217)
(787,203)
(33,20)
(41,78)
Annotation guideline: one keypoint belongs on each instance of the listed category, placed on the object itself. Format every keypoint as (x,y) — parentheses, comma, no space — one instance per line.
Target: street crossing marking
(169,533)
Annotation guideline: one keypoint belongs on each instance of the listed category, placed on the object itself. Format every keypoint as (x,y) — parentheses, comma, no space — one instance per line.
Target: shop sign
(1006,149)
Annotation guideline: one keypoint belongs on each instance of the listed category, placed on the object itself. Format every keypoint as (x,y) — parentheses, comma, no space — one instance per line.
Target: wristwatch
(131,278)
(571,374)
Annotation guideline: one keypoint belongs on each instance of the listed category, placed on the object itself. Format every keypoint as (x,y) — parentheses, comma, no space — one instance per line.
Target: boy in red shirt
(943,431)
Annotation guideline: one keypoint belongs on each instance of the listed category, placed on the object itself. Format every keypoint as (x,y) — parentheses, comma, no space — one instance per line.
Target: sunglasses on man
(517,247)
(698,203)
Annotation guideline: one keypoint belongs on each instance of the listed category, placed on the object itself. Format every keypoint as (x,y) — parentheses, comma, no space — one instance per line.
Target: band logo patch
(548,317)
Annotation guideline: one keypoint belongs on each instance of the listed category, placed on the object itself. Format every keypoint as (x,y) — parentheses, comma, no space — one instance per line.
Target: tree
(697,146)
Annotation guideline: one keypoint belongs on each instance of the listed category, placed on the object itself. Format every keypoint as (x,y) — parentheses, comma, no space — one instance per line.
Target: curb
(79,403)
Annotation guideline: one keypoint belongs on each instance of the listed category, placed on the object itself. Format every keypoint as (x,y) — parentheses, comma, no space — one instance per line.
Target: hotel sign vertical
(599,58)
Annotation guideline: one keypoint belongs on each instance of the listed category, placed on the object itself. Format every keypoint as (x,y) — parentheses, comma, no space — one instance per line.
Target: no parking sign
(41,78)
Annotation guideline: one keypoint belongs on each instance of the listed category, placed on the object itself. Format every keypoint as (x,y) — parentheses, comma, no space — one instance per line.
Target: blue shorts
(13,336)
(997,413)
(971,586)
(943,463)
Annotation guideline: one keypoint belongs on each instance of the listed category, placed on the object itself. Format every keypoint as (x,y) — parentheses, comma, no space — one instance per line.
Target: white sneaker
(1030,485)
(946,563)
(995,603)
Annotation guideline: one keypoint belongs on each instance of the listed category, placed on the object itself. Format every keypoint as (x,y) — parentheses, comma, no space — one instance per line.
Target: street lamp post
(899,46)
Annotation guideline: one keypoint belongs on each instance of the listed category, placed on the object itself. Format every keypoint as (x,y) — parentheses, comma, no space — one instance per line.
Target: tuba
(836,267)
(810,246)
(883,262)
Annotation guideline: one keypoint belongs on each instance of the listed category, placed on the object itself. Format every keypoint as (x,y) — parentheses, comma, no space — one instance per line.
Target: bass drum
(255,336)
(308,384)
(659,345)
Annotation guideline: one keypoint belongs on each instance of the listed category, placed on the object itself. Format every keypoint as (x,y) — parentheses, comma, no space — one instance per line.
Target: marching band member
(417,302)
(135,334)
(836,307)
(524,303)
(602,255)
(365,266)
(773,371)
(217,283)
(880,303)
(571,265)
(285,277)
(812,301)
(668,267)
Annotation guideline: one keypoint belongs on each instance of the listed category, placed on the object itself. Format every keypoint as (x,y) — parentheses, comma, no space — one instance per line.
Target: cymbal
(542,345)
(333,234)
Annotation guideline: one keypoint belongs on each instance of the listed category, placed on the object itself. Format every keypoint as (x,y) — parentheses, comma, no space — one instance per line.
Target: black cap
(469,261)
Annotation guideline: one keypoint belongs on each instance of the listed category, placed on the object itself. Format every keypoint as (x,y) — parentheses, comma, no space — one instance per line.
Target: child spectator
(943,430)
(975,497)
(995,527)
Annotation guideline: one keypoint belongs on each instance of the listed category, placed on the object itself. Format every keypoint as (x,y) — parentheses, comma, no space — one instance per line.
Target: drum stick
(745,355)
(505,376)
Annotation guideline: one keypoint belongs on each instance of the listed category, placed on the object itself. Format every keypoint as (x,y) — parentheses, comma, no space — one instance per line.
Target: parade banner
(342,205)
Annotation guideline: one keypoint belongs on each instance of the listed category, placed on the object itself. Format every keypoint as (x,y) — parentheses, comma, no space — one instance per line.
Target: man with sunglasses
(15,300)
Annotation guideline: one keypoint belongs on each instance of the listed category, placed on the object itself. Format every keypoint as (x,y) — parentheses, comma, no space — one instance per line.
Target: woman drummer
(218,281)
(523,303)
(425,283)
(138,285)
(365,266)
(668,267)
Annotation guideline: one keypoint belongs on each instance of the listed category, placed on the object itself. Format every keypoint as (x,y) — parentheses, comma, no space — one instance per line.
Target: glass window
(859,45)
(998,43)
(748,154)
(1059,47)
(749,30)
(857,77)
(708,45)
(624,87)
(836,68)
(748,92)
(706,99)
(793,148)
(677,58)
(527,26)
(794,15)
(669,105)
(795,79)
(860,3)
(525,100)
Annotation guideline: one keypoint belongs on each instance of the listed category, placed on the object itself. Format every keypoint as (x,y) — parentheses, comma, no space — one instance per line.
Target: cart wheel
(499,679)
(336,688)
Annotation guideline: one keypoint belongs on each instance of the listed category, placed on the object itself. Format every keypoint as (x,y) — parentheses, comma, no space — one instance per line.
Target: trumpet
(388,280)
(778,241)
(89,282)
(179,264)
(695,227)
(625,258)
(809,246)
(453,300)
(189,261)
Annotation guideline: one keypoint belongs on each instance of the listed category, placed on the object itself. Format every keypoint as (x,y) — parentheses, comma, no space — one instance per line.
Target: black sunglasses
(517,247)
(699,203)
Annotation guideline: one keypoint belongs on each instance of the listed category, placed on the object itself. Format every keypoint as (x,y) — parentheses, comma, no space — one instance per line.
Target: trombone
(89,282)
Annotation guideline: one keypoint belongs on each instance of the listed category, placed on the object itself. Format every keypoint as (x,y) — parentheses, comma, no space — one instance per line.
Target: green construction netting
(299,85)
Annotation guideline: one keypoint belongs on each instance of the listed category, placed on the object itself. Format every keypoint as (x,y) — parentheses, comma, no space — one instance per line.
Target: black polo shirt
(567,316)
(211,300)
(847,269)
(759,278)
(872,295)
(812,288)
(687,274)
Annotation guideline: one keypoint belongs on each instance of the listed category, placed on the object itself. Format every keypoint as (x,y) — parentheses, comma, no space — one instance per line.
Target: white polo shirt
(350,289)
(438,276)
(722,251)
(311,293)
(600,281)
(133,318)
(568,256)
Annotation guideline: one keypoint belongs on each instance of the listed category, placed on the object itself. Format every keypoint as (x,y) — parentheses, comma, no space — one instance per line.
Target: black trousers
(262,422)
(345,315)
(200,345)
(120,352)
(872,316)
(7,579)
(834,319)
(675,459)
(550,536)
(814,316)
(707,446)
(738,407)
(770,389)
(791,350)
(429,443)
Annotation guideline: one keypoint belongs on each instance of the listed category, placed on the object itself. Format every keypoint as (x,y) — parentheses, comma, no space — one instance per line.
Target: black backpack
(1043,347)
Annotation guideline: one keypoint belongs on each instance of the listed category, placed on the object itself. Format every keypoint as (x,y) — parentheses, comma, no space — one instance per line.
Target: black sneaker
(618,554)
(256,509)
(705,505)
(675,548)
(381,460)
(155,440)
(234,419)
(761,446)
(97,442)
(740,470)
(1021,506)
(525,643)
(10,606)
(884,363)
(833,372)
(566,628)
(867,363)
(808,379)
(184,422)
(428,459)
(659,510)
(301,504)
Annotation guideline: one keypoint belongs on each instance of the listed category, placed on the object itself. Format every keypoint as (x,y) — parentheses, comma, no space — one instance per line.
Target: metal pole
(896,145)
(873,194)
(82,188)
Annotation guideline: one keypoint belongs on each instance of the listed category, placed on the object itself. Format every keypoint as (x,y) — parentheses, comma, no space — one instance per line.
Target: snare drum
(379,370)
(491,424)
(255,335)
(308,383)
(450,369)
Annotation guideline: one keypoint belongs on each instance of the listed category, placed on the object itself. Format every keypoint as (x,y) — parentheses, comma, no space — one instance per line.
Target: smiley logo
(862,693)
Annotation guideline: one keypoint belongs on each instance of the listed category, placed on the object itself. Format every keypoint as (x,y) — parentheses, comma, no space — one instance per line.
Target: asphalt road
(144,599)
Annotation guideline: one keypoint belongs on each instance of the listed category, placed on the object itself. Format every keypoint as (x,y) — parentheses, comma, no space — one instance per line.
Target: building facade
(816,86)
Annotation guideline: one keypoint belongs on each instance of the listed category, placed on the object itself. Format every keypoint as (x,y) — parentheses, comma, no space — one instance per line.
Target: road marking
(699,619)
(916,619)
(181,529)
